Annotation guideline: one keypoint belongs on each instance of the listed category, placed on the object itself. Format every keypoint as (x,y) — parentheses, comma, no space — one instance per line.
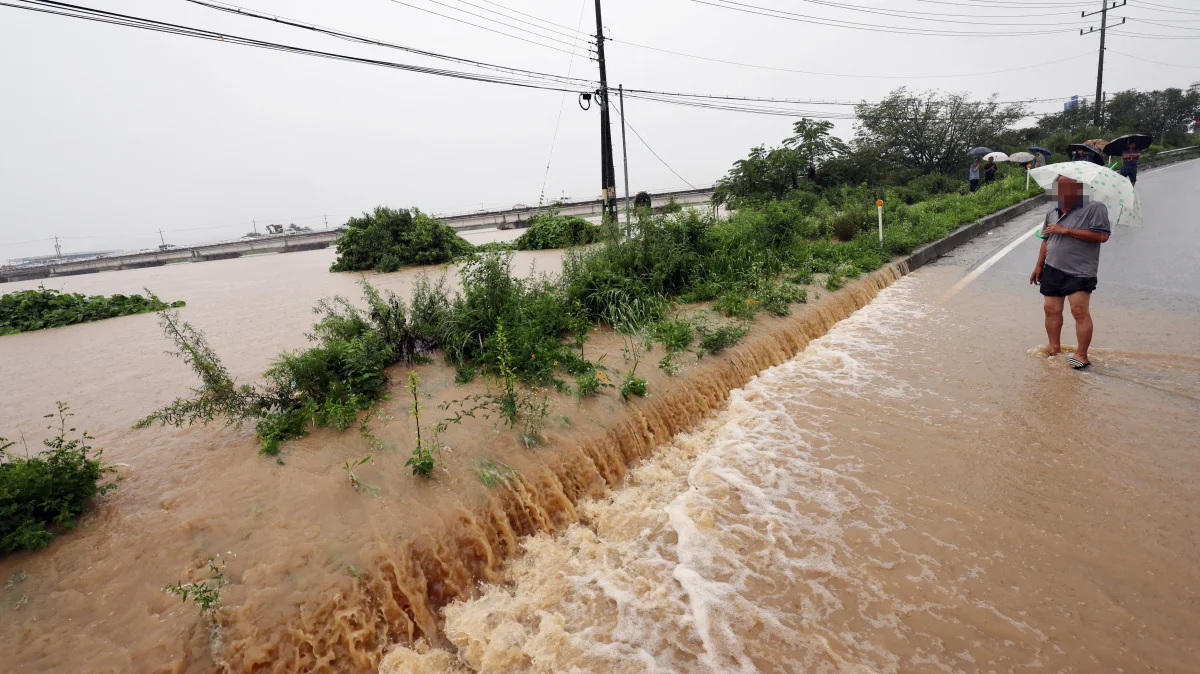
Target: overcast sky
(111,133)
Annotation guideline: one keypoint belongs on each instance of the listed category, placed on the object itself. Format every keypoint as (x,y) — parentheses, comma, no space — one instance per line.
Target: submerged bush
(26,310)
(551,229)
(43,494)
(389,239)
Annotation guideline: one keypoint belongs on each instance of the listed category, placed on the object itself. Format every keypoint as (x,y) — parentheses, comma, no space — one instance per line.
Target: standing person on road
(989,170)
(1068,263)
(973,174)
(1039,160)
(1129,162)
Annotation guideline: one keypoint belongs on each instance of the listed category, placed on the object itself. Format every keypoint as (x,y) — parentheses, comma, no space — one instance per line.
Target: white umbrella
(1021,158)
(995,156)
(1104,185)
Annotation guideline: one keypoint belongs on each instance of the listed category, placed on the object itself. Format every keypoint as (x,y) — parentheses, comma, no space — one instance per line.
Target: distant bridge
(513,218)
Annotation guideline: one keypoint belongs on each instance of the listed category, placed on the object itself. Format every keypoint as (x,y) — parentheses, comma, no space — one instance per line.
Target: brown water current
(919,490)
(913,488)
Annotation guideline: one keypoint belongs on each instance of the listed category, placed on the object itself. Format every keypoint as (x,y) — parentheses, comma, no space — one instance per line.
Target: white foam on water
(750,545)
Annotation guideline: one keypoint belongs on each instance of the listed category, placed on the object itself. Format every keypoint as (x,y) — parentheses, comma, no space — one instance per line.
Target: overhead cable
(876,28)
(101,16)
(639,137)
(493,30)
(295,23)
(854,75)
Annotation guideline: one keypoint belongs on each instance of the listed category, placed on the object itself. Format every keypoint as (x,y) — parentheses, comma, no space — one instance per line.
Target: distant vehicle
(167,246)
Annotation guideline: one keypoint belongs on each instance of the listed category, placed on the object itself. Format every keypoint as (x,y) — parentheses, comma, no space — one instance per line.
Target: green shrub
(389,239)
(588,384)
(675,335)
(635,386)
(737,305)
(551,229)
(722,337)
(777,298)
(26,310)
(45,493)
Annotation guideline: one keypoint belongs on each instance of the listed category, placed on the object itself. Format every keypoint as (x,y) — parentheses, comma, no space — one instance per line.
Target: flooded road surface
(920,490)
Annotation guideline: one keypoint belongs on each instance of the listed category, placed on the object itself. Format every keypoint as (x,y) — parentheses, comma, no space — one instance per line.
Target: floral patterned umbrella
(1103,184)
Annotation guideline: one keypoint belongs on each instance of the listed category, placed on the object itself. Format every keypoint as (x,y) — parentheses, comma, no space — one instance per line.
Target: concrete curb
(932,251)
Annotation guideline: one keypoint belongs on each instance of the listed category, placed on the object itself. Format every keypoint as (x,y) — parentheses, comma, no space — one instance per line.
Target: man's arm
(1036,277)
(1081,234)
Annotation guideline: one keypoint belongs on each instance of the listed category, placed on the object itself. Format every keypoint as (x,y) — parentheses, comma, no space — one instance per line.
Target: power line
(532,16)
(561,103)
(639,137)
(1139,58)
(829,74)
(492,30)
(938,17)
(854,25)
(573,35)
(351,37)
(100,16)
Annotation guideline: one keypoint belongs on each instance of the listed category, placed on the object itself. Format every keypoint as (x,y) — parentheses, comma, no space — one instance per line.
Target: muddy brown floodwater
(917,490)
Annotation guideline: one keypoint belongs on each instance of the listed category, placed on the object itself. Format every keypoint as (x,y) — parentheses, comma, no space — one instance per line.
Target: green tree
(1159,113)
(813,143)
(932,130)
(761,176)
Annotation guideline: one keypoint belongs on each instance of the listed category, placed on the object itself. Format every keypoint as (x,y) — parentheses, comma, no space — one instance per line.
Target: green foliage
(389,239)
(349,467)
(492,473)
(551,229)
(205,593)
(632,385)
(328,384)
(422,462)
(42,494)
(26,310)
(588,384)
(736,305)
(721,337)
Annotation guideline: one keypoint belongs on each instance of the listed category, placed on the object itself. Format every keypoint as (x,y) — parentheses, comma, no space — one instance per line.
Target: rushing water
(919,490)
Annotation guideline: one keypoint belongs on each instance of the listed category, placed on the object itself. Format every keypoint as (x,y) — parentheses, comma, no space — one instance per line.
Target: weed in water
(737,305)
(205,593)
(15,579)
(42,495)
(589,383)
(349,467)
(721,337)
(422,462)
(26,310)
(635,386)
(492,473)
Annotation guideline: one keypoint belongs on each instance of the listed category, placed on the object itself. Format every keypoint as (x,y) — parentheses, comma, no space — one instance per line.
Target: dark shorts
(974,184)
(1056,283)
(1130,173)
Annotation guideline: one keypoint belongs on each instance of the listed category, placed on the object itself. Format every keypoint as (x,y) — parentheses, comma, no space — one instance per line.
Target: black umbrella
(979,150)
(1118,145)
(1090,153)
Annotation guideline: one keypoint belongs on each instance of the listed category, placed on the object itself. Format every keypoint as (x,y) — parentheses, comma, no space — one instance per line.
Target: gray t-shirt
(1070,255)
(973,172)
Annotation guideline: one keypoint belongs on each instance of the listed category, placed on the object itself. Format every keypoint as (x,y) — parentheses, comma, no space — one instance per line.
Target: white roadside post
(1027,177)
(879,210)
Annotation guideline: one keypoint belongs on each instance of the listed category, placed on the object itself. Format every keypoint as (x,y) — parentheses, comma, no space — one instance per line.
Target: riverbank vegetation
(388,239)
(43,494)
(26,310)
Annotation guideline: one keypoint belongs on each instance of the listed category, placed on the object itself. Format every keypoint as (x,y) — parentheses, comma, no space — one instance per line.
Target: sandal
(1077,364)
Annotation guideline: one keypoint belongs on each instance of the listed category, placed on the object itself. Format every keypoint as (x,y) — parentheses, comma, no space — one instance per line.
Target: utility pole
(624,150)
(326,221)
(607,171)
(57,247)
(1104,7)
(160,238)
(255,223)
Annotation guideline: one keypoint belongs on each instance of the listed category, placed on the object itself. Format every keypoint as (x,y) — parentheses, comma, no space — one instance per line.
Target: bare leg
(1081,309)
(1054,322)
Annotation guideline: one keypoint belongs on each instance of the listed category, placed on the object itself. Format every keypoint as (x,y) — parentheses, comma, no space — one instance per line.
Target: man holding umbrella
(1068,263)
(1129,162)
